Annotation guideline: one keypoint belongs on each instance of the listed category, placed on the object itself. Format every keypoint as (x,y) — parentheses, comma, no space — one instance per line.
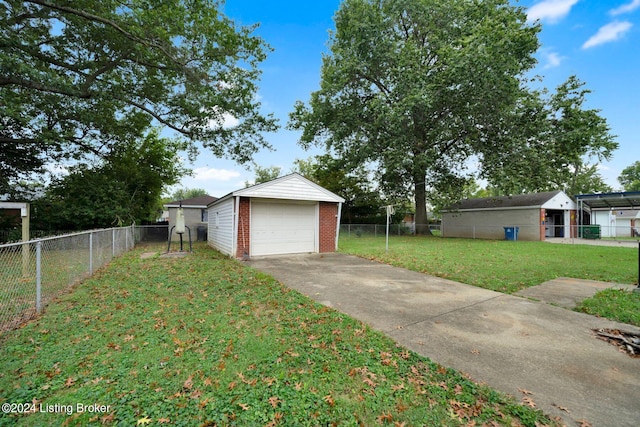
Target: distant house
(537,216)
(195,216)
(617,214)
(287,215)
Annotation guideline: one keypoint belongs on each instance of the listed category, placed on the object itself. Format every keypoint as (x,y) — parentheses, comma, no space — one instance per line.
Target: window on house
(204,215)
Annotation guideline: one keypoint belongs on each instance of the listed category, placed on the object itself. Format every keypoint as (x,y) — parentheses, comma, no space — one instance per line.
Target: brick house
(287,215)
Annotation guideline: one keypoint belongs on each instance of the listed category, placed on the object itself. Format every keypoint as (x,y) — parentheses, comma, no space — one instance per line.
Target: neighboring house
(195,216)
(616,222)
(537,216)
(287,215)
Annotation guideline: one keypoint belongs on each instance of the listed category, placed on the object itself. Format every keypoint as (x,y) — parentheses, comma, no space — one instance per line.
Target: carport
(616,213)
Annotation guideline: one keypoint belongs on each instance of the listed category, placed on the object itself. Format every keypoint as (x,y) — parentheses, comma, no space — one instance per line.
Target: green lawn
(506,266)
(205,340)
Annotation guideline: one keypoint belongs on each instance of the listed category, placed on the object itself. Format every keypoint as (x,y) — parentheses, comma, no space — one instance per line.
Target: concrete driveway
(513,344)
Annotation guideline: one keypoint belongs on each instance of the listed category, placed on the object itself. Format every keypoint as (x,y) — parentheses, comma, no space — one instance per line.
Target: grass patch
(205,340)
(506,266)
(619,304)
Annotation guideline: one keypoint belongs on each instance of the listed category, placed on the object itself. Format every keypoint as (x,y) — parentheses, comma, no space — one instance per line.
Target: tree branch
(108,22)
(29,84)
(158,117)
(376,82)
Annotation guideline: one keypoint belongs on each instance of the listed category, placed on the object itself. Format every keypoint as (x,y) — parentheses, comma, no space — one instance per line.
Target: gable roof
(194,202)
(535,200)
(289,187)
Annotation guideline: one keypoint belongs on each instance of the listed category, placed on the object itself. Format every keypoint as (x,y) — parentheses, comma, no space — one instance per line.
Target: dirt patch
(147,255)
(174,254)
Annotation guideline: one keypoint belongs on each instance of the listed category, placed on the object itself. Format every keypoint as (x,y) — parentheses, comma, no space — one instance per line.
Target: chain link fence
(152,233)
(35,272)
(380,230)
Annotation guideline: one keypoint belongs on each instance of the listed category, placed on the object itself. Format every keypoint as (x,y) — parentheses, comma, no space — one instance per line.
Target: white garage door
(282,228)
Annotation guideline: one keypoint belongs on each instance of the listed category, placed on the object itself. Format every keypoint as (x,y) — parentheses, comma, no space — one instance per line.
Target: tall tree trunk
(422,225)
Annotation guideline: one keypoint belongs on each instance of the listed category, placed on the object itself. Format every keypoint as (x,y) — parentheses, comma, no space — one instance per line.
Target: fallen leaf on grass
(274,401)
(329,400)
(244,406)
(384,417)
(143,421)
(397,387)
(107,419)
(163,420)
(529,402)
(188,384)
(523,391)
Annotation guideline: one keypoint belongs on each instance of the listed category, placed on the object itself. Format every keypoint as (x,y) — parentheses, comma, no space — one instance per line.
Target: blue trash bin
(511,233)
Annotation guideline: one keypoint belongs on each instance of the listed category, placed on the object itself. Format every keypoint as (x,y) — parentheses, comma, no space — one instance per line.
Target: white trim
(337,225)
(234,232)
(262,190)
(316,233)
(13,205)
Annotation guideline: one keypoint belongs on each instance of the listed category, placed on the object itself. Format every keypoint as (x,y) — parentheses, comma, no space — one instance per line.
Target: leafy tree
(187,193)
(586,180)
(549,143)
(630,177)
(87,76)
(419,87)
(264,174)
(363,202)
(123,188)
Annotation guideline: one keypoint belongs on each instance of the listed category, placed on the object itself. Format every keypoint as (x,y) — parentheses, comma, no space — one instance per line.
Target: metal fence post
(91,253)
(113,242)
(38,277)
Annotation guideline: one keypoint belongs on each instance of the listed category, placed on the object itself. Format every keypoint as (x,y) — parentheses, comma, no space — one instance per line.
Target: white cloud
(625,8)
(550,10)
(213,174)
(608,33)
(224,120)
(553,59)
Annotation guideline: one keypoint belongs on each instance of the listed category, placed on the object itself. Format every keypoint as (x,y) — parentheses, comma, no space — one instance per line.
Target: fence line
(35,272)
(577,233)
(380,230)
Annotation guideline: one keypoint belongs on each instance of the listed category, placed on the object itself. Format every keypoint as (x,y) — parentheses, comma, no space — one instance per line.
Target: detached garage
(536,216)
(285,216)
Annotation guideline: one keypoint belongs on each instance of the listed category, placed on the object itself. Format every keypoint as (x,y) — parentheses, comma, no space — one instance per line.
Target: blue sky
(597,40)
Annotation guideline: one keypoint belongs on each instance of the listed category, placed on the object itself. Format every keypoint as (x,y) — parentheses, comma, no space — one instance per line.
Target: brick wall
(244,227)
(328,222)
